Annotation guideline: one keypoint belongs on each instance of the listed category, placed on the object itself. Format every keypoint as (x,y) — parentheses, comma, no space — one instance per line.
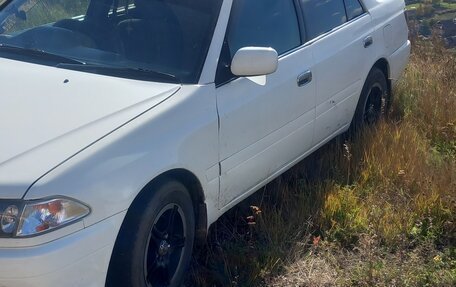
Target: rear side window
(263,23)
(354,9)
(322,16)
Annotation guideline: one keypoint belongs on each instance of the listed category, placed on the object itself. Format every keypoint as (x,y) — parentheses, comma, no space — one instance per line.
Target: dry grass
(378,209)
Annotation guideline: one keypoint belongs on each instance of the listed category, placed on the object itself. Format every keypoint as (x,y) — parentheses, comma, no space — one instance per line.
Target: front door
(265,122)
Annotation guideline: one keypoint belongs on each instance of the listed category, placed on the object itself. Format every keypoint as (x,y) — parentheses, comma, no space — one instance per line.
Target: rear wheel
(372,103)
(155,243)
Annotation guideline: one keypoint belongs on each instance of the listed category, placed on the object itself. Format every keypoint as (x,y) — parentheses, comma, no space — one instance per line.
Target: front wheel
(372,103)
(155,243)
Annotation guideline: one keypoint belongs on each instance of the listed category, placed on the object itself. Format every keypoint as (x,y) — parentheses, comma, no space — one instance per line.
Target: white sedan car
(128,127)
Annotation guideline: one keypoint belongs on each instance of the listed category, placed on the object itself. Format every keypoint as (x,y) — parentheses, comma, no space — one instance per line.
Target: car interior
(168,35)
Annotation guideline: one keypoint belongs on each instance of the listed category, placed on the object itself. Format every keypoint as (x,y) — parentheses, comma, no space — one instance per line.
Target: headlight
(28,218)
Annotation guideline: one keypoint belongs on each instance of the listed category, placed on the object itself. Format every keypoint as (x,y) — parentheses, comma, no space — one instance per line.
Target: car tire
(373,101)
(155,243)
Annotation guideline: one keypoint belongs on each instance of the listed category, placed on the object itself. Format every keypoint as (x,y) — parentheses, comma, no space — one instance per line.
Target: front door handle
(305,78)
(368,41)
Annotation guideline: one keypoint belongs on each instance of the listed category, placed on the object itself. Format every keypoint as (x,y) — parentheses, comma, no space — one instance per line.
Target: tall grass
(377,209)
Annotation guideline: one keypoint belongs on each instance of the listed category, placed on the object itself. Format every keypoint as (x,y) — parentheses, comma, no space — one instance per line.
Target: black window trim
(301,26)
(346,11)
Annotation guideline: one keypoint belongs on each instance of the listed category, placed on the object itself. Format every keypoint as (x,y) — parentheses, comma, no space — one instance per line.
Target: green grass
(446,16)
(447,5)
(411,6)
(378,209)
(442,4)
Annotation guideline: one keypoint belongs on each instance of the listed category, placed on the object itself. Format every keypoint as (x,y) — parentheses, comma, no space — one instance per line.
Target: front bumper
(79,259)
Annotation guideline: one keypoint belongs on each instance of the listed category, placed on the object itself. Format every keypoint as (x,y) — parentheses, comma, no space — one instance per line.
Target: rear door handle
(368,41)
(305,78)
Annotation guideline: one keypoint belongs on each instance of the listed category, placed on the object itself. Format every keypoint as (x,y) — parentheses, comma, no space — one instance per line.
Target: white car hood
(48,114)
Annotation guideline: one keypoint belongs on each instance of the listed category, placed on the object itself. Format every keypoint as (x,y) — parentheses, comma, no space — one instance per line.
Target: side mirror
(254,61)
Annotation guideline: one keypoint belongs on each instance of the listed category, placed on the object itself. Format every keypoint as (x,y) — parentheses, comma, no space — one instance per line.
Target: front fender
(180,133)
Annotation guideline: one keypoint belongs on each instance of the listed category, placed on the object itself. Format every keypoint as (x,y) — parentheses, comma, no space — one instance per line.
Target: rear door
(265,122)
(341,34)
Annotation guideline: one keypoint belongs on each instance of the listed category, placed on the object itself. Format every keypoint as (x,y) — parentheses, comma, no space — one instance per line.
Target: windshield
(165,37)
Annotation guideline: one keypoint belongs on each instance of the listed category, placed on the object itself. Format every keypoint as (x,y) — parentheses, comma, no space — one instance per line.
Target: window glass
(354,9)
(35,13)
(263,23)
(260,23)
(156,40)
(322,16)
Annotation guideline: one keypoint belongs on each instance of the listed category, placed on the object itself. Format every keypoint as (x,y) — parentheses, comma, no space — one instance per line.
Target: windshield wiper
(73,64)
(125,72)
(38,54)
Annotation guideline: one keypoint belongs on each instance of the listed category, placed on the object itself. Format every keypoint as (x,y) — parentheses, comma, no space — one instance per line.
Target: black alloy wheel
(155,242)
(373,102)
(163,251)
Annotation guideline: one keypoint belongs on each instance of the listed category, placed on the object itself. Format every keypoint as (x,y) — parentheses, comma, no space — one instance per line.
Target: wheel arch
(384,66)
(193,184)
(184,177)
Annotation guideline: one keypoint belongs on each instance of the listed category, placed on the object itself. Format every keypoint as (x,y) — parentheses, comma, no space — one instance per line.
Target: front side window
(146,39)
(258,23)
(263,23)
(321,16)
